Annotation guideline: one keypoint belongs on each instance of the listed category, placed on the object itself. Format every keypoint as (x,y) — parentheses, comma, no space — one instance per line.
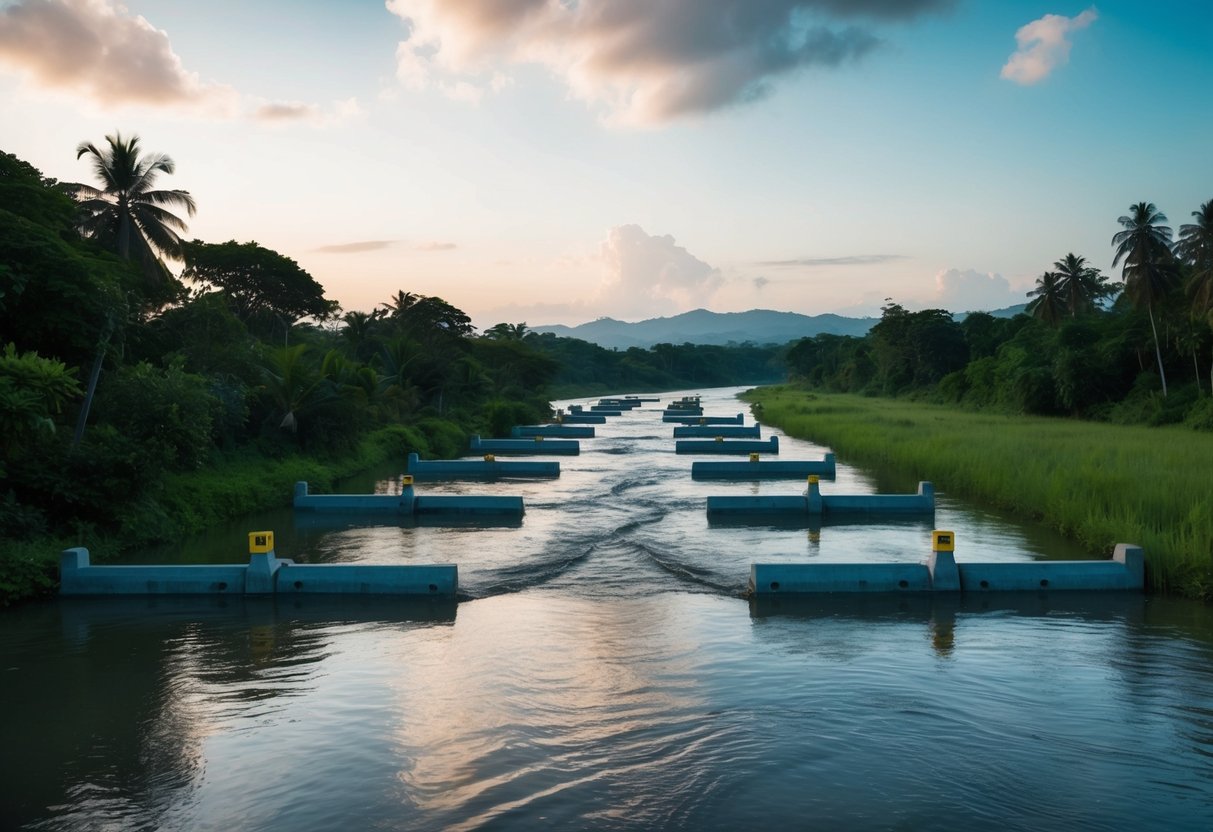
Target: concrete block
(765,469)
(438,580)
(536,446)
(77,576)
(712,431)
(480,468)
(725,446)
(560,431)
(700,419)
(466,504)
(772,578)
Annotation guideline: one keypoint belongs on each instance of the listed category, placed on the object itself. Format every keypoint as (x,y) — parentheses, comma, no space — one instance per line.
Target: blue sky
(533,161)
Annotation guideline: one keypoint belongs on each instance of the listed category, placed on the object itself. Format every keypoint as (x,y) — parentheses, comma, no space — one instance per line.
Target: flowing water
(603,670)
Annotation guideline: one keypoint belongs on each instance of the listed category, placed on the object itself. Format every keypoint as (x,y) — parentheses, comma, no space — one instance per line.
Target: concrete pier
(580,419)
(757,469)
(559,431)
(265,574)
(942,574)
(829,506)
(687,419)
(406,503)
(487,468)
(536,446)
(725,446)
(712,431)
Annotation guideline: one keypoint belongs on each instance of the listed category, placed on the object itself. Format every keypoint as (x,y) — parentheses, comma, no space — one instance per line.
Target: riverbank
(1097,483)
(188,503)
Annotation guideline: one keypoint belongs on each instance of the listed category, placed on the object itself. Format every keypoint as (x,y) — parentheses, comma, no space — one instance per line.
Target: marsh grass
(1100,484)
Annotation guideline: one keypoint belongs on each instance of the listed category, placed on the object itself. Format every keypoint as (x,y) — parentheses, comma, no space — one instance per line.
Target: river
(603,670)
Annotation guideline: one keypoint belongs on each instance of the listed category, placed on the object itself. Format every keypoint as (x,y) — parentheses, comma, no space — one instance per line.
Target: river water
(603,670)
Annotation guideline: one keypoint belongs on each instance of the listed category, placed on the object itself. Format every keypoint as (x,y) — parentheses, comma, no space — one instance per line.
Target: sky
(557,161)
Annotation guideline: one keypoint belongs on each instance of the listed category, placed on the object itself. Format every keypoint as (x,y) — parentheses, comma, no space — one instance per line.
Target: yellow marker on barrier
(814,479)
(490,458)
(719,438)
(943,541)
(260,542)
(538,438)
(753,457)
(406,480)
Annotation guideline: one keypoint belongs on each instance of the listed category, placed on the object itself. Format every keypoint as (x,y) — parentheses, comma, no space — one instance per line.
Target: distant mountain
(1005,312)
(758,326)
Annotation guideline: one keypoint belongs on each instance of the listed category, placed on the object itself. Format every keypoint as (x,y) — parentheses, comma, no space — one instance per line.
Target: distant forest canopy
(114,373)
(1137,352)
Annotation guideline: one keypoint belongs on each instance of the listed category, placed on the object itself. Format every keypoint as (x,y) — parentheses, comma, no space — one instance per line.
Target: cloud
(102,51)
(760,282)
(972,291)
(642,62)
(356,248)
(1044,46)
(647,275)
(286,112)
(435,246)
(852,260)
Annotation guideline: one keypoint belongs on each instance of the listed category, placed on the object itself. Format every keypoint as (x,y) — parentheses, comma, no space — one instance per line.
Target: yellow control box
(490,458)
(260,542)
(814,479)
(943,541)
(753,457)
(406,480)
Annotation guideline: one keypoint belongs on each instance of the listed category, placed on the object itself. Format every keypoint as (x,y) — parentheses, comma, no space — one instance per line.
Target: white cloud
(641,62)
(100,50)
(971,291)
(647,276)
(1043,46)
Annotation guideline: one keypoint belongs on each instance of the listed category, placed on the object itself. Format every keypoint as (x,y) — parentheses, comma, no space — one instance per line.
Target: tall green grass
(1097,483)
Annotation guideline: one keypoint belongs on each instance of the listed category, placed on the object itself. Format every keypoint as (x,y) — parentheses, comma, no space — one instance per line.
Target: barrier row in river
(813,503)
(761,469)
(941,573)
(712,431)
(487,468)
(406,503)
(264,574)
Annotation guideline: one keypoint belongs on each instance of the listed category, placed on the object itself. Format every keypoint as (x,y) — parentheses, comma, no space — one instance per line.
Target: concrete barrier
(559,431)
(830,506)
(580,419)
(537,446)
(487,468)
(620,404)
(598,410)
(405,503)
(681,413)
(757,469)
(265,575)
(942,574)
(724,446)
(712,431)
(688,419)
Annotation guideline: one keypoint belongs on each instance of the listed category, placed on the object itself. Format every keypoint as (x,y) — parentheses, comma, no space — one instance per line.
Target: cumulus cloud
(851,260)
(99,49)
(972,291)
(649,275)
(643,62)
(1044,45)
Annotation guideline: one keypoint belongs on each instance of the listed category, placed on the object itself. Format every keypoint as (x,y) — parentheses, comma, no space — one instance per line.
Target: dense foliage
(1085,348)
(121,389)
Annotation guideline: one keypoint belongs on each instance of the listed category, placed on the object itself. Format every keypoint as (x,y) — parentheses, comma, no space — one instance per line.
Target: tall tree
(128,213)
(1082,286)
(1050,299)
(1149,266)
(1195,248)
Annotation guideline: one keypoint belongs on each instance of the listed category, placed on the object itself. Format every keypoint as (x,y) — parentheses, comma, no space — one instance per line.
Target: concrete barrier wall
(759,506)
(582,419)
(687,419)
(735,446)
(479,468)
(597,410)
(366,579)
(712,431)
(466,504)
(765,469)
(922,502)
(562,431)
(537,445)
(264,575)
(941,574)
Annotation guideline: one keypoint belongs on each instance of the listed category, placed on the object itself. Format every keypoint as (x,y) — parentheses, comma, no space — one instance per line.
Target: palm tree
(128,214)
(1050,300)
(1081,285)
(1149,266)
(1195,248)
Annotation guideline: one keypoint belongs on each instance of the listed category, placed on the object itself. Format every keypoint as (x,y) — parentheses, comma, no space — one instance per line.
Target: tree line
(1086,346)
(116,372)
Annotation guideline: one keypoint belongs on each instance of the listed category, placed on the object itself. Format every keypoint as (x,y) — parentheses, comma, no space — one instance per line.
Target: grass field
(1097,483)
